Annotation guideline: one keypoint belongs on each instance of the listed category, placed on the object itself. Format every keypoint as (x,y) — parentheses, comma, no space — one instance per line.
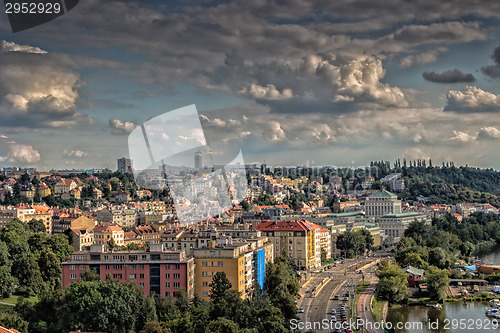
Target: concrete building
(198,160)
(156,271)
(382,203)
(394,225)
(243,263)
(124,165)
(295,239)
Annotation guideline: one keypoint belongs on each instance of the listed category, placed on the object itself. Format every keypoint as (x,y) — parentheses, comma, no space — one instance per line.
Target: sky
(287,82)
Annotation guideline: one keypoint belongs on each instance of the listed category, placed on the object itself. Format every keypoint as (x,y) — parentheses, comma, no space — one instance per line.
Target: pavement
(363,308)
(342,281)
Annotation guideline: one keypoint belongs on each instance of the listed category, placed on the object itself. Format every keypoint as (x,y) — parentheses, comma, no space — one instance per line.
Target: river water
(457,317)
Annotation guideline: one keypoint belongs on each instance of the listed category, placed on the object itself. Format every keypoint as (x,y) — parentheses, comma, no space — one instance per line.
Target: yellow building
(43,190)
(295,239)
(229,259)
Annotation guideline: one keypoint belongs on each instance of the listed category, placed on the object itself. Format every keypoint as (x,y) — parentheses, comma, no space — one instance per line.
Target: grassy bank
(378,309)
(13,299)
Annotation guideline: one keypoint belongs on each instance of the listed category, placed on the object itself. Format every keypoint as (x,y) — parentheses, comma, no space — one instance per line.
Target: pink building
(155,271)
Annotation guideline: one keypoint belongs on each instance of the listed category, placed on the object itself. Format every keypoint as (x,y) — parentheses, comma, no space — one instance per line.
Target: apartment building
(243,263)
(156,271)
(104,234)
(295,239)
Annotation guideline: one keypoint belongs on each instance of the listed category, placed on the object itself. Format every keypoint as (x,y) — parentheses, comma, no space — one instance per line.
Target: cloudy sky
(287,81)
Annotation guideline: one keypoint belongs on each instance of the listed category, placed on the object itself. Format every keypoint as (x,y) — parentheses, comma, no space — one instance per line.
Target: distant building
(394,225)
(394,179)
(124,165)
(382,203)
(198,160)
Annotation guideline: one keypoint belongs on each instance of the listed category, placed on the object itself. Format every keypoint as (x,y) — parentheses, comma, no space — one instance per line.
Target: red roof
(287,226)
(5,330)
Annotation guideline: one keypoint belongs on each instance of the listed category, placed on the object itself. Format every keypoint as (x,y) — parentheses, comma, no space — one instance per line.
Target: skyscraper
(124,165)
(198,160)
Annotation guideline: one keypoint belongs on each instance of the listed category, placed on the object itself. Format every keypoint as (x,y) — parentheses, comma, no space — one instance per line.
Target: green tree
(7,281)
(437,281)
(104,306)
(439,258)
(152,327)
(222,325)
(90,275)
(36,226)
(393,284)
(59,244)
(324,258)
(50,268)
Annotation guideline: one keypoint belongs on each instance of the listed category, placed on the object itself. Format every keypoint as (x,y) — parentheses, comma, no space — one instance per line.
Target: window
(107,266)
(220,264)
(204,283)
(167,285)
(118,257)
(177,266)
(167,294)
(205,293)
(141,284)
(117,276)
(167,266)
(117,266)
(177,276)
(72,276)
(141,276)
(133,266)
(204,264)
(167,276)
(72,267)
(133,257)
(204,274)
(155,256)
(177,284)
(141,266)
(132,276)
(82,267)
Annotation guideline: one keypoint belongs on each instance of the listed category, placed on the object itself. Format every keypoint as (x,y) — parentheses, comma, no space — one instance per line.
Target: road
(342,281)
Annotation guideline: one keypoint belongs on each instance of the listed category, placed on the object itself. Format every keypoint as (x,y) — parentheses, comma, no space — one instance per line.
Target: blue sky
(294,82)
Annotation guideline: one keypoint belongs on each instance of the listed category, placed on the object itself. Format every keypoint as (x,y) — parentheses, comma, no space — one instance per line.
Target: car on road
(336,297)
(335,265)
(329,266)
(338,330)
(342,262)
(333,319)
(346,298)
(301,310)
(316,271)
(348,330)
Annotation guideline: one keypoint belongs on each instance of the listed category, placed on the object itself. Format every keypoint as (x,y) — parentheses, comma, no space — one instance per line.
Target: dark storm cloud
(450,76)
(493,71)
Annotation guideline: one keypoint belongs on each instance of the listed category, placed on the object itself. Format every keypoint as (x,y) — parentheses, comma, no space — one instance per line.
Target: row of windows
(219,263)
(176,276)
(132,266)
(176,285)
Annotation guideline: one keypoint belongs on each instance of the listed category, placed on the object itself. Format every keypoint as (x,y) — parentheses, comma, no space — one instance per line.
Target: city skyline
(312,82)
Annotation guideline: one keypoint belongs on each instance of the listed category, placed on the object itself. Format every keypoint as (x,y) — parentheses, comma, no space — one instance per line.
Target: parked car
(333,319)
(336,297)
(301,310)
(334,311)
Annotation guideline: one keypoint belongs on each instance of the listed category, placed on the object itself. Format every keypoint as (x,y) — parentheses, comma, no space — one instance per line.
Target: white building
(382,203)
